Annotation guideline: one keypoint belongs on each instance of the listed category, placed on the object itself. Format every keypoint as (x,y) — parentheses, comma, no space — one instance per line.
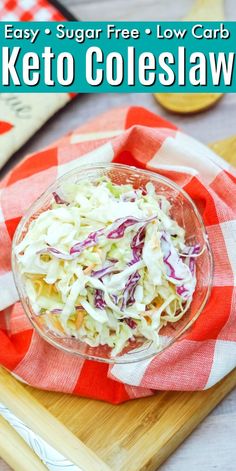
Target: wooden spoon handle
(206,10)
(16,452)
(36,418)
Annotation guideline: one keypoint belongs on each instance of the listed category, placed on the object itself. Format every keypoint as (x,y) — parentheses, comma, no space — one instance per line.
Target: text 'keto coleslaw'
(106,264)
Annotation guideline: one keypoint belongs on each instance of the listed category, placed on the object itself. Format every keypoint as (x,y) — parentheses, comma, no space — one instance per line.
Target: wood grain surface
(31,412)
(135,436)
(138,435)
(211,447)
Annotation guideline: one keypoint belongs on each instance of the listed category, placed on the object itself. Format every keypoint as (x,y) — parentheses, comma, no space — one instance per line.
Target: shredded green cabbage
(106,264)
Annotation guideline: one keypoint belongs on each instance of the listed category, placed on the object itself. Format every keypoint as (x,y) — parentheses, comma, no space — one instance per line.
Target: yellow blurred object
(187,103)
(206,10)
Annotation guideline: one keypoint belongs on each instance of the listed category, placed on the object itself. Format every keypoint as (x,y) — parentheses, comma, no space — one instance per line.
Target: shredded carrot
(57,324)
(79,320)
(38,284)
(34,276)
(45,257)
(54,289)
(88,270)
(50,289)
(157,302)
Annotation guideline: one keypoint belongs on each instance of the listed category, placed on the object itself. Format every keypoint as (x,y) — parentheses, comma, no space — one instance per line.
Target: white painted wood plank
(210,447)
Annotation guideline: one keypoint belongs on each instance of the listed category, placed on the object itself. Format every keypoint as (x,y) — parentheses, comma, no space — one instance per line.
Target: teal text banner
(82,57)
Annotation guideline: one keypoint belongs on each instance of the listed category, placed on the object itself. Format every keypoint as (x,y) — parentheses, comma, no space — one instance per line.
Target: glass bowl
(183,210)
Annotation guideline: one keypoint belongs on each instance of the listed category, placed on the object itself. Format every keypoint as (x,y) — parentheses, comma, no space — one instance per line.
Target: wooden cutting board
(136,436)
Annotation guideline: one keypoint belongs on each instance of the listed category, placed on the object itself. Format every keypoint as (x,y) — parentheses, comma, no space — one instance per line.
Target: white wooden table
(212,446)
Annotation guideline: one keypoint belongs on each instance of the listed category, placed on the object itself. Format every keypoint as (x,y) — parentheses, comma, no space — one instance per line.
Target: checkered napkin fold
(207,352)
(22,114)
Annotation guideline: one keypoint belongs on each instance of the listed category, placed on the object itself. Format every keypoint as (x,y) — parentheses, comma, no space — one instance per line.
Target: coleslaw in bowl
(112,263)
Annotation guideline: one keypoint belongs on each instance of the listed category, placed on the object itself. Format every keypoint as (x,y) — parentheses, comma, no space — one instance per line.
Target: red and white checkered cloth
(208,351)
(29,10)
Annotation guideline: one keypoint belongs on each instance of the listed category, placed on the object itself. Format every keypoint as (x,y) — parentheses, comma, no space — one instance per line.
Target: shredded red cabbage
(130,322)
(123,224)
(191,250)
(99,299)
(114,298)
(90,241)
(192,265)
(129,290)
(103,271)
(168,252)
(57,253)
(58,199)
(190,261)
(137,245)
(182,291)
(58,311)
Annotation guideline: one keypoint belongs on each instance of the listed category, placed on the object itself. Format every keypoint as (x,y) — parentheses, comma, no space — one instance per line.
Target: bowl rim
(44,195)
